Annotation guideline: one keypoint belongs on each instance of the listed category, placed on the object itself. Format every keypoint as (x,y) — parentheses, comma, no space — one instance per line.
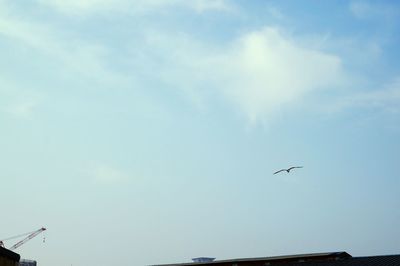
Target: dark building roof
(6,253)
(388,260)
(315,259)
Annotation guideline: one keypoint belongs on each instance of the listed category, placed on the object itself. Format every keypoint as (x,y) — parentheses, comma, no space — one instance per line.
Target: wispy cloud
(272,70)
(22,109)
(369,10)
(380,101)
(205,5)
(78,57)
(17,102)
(106,174)
(276,13)
(260,72)
(89,7)
(384,99)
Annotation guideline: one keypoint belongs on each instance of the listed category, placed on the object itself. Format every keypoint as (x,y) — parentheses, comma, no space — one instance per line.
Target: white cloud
(386,99)
(107,174)
(86,59)
(204,5)
(17,102)
(76,7)
(270,71)
(366,10)
(276,13)
(22,109)
(360,9)
(261,72)
(85,7)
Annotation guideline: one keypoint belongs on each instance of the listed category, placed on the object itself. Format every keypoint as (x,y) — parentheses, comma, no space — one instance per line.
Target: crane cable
(21,235)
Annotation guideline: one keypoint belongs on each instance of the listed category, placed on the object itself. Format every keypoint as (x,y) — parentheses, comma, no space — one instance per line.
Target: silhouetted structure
(203,259)
(8,258)
(316,259)
(24,262)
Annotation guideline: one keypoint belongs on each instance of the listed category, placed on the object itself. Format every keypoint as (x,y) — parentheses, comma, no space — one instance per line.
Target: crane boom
(29,237)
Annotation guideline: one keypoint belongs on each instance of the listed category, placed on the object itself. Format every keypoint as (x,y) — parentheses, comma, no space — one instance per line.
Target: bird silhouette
(288,170)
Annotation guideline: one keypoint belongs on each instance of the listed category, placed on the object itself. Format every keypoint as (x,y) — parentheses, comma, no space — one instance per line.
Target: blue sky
(143,132)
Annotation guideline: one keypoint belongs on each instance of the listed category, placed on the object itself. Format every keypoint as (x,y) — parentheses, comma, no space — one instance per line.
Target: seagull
(288,170)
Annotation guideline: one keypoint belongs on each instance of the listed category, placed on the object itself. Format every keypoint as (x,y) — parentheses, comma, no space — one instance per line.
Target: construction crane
(23,241)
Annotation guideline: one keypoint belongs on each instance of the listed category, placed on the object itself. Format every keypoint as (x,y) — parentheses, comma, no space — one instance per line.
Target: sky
(144,132)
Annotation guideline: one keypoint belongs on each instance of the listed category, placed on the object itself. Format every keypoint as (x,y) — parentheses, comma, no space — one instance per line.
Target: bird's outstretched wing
(280,171)
(293,167)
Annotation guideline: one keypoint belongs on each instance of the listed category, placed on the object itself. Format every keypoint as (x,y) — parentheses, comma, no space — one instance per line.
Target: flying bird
(288,170)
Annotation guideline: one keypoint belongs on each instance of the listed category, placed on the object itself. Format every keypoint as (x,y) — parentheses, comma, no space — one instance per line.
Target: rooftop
(9,254)
(315,259)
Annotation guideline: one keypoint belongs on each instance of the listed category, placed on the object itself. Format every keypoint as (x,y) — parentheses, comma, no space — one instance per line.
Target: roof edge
(9,254)
(311,256)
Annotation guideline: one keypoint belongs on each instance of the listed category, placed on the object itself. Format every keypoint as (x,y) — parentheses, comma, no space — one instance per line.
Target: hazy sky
(144,132)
